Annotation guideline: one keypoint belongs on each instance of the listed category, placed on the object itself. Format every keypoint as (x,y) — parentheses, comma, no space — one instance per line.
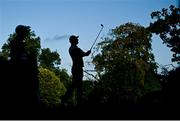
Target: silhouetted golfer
(77,68)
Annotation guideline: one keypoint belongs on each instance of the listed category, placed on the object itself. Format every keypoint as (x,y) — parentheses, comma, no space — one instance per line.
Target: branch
(86,71)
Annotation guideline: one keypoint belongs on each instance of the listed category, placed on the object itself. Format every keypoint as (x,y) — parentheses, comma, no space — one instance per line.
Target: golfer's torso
(77,56)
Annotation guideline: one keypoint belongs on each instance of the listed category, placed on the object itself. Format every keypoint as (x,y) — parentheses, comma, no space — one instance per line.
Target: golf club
(97,36)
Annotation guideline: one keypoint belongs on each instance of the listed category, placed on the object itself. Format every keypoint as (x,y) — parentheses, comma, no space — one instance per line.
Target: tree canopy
(167,24)
(49,59)
(125,63)
(32,44)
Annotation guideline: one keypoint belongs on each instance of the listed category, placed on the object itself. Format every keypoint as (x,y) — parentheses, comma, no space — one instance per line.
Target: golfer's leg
(79,87)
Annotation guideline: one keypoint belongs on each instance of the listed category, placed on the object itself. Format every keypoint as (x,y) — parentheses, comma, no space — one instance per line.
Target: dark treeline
(126,84)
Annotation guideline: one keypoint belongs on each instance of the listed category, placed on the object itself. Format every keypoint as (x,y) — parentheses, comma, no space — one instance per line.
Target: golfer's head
(73,39)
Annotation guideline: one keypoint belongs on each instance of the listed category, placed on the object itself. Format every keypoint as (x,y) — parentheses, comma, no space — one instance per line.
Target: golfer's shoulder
(74,49)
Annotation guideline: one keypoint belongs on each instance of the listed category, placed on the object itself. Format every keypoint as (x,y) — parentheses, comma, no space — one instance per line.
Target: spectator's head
(22,30)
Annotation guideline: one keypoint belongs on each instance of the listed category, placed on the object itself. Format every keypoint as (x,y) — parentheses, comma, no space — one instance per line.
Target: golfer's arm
(82,53)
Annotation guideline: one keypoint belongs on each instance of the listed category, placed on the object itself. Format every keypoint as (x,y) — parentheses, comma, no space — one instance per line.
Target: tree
(125,64)
(66,79)
(167,24)
(51,60)
(51,88)
(32,44)
(20,56)
(48,59)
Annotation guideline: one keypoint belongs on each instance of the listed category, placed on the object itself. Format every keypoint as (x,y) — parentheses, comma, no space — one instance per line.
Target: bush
(51,88)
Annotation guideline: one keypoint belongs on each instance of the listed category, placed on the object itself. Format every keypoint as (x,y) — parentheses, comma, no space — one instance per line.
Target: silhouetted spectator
(18,53)
(24,72)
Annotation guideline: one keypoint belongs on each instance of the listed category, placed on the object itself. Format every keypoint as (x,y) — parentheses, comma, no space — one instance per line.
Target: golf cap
(73,38)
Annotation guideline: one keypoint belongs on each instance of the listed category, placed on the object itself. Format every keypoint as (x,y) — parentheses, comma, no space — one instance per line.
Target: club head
(102,25)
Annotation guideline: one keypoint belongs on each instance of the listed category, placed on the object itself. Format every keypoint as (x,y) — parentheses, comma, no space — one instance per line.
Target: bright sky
(54,20)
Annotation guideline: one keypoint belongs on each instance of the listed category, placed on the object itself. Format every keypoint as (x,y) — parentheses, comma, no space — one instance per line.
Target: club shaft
(96,37)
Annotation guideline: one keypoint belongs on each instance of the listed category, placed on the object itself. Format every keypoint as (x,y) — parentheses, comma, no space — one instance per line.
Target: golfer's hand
(88,52)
